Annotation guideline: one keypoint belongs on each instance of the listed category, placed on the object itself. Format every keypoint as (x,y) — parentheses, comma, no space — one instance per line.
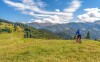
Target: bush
(6,29)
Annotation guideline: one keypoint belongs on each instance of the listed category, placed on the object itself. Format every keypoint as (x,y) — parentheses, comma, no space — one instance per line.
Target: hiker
(78,36)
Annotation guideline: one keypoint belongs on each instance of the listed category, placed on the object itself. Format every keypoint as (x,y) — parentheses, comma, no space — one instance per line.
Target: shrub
(6,29)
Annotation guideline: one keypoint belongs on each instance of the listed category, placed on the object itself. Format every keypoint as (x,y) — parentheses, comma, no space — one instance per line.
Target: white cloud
(25,5)
(35,9)
(17,5)
(57,10)
(74,5)
(39,21)
(91,15)
(55,19)
(28,1)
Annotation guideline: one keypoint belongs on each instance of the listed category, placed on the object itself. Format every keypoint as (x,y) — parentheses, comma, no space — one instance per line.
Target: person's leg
(80,39)
(77,39)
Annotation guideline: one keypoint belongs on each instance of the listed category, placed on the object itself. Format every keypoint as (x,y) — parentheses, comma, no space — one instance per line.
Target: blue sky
(50,11)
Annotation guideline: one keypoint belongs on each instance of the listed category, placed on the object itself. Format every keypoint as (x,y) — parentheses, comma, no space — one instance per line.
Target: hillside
(22,43)
(26,31)
(14,48)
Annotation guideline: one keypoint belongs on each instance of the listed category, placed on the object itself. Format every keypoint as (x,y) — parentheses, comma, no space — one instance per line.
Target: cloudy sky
(50,11)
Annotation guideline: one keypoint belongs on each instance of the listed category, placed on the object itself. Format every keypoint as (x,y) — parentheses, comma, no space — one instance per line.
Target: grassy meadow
(14,48)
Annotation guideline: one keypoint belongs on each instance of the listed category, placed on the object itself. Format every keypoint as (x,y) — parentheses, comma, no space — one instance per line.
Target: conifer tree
(88,35)
(15,27)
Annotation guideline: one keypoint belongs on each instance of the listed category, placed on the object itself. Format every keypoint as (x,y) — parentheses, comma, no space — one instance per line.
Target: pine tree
(88,35)
(15,27)
(27,34)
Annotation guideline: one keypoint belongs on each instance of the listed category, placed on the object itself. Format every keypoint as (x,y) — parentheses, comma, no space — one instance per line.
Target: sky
(50,11)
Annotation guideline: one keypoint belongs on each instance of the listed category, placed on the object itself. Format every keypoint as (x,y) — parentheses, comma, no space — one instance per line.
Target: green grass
(14,48)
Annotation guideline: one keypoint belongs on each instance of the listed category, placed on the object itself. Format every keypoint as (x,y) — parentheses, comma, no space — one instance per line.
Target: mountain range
(68,30)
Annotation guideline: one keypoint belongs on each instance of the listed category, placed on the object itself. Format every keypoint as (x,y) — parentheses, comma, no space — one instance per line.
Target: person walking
(78,36)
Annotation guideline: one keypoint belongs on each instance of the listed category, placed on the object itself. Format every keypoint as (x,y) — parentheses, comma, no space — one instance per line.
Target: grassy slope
(13,48)
(10,25)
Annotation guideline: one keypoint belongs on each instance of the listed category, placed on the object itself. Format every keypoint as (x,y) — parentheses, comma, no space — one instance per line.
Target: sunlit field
(14,48)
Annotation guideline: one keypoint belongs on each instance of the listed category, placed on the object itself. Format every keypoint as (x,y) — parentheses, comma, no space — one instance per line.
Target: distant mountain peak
(97,22)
